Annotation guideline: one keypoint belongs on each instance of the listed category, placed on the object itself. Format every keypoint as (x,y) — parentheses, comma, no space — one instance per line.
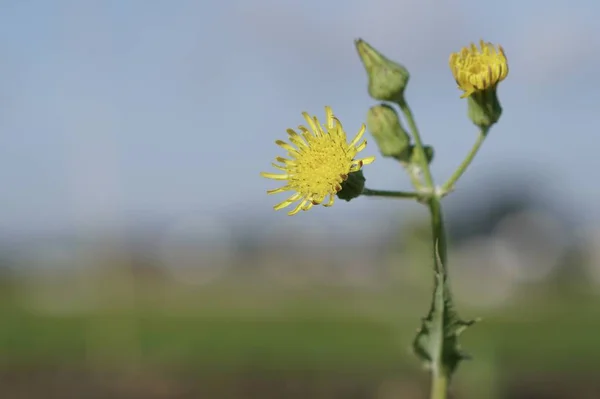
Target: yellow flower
(476,70)
(322,160)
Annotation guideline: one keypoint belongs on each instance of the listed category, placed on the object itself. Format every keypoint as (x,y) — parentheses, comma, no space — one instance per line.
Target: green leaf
(436,343)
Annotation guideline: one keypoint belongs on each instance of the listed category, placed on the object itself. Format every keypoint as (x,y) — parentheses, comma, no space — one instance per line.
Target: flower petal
(330,202)
(311,124)
(296,139)
(307,205)
(358,136)
(361,146)
(285,146)
(297,209)
(283,168)
(285,161)
(274,176)
(367,160)
(295,197)
(279,190)
(329,117)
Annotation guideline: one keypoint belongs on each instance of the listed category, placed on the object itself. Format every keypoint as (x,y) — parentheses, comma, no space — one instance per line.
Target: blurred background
(140,256)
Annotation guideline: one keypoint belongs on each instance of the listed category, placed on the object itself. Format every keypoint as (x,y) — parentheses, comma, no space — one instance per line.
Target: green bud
(429,153)
(484,108)
(385,127)
(415,156)
(353,186)
(387,79)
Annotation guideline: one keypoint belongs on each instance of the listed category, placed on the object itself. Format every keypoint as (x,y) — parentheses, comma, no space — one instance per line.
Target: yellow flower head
(476,70)
(322,160)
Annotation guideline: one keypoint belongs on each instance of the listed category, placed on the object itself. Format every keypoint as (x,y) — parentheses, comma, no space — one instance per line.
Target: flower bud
(387,79)
(385,127)
(353,186)
(429,153)
(478,72)
(415,156)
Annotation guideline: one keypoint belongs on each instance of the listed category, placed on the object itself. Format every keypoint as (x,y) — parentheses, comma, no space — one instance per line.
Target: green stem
(410,119)
(415,180)
(439,234)
(439,373)
(439,376)
(449,185)
(439,386)
(387,193)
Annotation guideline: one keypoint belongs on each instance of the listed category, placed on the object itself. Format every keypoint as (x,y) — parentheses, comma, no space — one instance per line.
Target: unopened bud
(415,156)
(387,79)
(385,127)
(429,153)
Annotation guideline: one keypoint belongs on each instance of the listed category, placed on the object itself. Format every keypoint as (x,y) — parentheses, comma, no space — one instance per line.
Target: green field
(236,329)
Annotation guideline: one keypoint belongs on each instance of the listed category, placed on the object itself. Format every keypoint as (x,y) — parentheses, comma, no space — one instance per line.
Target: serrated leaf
(436,343)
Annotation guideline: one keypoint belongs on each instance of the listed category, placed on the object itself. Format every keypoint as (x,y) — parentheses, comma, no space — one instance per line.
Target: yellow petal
(361,146)
(358,135)
(311,124)
(297,209)
(285,161)
(307,205)
(295,197)
(285,145)
(283,168)
(298,141)
(279,190)
(329,117)
(367,160)
(308,136)
(320,130)
(330,202)
(274,176)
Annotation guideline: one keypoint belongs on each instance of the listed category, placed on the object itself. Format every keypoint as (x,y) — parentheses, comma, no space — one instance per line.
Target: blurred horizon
(114,113)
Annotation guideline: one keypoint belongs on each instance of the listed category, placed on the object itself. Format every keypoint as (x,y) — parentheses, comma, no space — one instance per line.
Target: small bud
(385,127)
(415,156)
(353,186)
(484,109)
(387,79)
(429,153)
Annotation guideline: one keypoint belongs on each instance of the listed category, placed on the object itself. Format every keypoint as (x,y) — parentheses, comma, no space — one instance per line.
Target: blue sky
(117,111)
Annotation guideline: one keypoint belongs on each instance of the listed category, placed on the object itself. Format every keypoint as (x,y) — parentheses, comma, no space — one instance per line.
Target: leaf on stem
(436,343)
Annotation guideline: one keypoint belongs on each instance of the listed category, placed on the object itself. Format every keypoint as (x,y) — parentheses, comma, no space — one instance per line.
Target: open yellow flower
(476,70)
(321,161)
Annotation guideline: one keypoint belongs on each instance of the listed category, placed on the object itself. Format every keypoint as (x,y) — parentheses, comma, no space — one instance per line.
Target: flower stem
(415,179)
(449,185)
(386,193)
(435,207)
(439,235)
(439,373)
(439,386)
(410,119)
